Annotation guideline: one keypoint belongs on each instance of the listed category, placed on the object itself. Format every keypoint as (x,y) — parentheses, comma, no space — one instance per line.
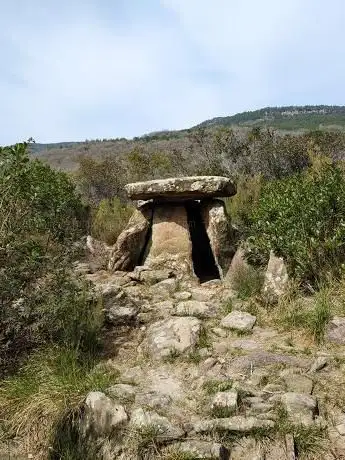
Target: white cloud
(79,70)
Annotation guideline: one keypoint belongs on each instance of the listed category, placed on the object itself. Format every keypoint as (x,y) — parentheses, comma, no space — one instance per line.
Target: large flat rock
(194,187)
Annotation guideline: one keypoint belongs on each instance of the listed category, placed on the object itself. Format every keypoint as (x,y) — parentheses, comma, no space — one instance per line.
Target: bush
(110,218)
(302,219)
(241,206)
(40,218)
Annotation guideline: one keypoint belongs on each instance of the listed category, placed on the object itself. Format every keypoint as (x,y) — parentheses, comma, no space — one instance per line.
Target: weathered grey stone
(171,246)
(119,308)
(155,276)
(239,320)
(141,418)
(200,449)
(301,408)
(220,234)
(194,308)
(298,383)
(238,265)
(153,399)
(180,334)
(122,391)
(102,414)
(182,295)
(318,364)
(336,330)
(164,288)
(247,449)
(225,399)
(202,293)
(194,187)
(126,252)
(236,423)
(276,279)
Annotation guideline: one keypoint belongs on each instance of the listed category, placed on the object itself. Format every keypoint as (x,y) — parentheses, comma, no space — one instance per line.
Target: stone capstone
(194,187)
(126,252)
(176,334)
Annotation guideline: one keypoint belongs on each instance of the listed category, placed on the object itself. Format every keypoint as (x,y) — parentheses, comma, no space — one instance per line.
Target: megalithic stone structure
(180,225)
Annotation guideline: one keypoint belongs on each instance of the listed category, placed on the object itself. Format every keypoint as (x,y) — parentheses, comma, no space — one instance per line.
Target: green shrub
(110,218)
(41,217)
(241,206)
(302,218)
(246,281)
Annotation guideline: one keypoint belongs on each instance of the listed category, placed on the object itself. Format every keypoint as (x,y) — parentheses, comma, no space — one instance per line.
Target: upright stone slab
(218,229)
(126,252)
(171,246)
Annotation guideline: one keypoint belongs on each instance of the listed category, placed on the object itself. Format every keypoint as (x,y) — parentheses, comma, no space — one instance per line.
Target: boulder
(119,308)
(127,250)
(102,415)
(194,308)
(336,330)
(276,279)
(239,320)
(122,391)
(180,334)
(155,276)
(219,232)
(142,419)
(301,408)
(195,187)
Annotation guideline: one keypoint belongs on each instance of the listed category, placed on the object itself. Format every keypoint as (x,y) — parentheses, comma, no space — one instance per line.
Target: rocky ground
(205,375)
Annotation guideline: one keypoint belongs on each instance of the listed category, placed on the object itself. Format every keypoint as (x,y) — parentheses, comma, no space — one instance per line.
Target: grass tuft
(49,389)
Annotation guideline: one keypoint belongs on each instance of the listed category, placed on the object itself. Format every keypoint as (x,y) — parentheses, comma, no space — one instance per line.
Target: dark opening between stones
(204,262)
(147,244)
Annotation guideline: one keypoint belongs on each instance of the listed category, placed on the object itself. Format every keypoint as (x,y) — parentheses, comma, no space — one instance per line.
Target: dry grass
(50,388)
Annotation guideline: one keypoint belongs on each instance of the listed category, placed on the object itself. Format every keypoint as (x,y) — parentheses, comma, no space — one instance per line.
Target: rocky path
(201,376)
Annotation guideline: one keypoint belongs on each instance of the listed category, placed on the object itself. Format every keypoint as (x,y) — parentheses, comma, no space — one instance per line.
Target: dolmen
(180,224)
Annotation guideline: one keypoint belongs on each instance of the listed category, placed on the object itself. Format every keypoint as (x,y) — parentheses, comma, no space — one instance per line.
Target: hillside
(286,118)
(298,119)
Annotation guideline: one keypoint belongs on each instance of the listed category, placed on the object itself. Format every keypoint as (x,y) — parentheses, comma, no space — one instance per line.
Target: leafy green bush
(302,218)
(110,218)
(40,218)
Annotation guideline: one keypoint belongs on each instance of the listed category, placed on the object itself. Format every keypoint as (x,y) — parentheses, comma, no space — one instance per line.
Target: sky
(72,70)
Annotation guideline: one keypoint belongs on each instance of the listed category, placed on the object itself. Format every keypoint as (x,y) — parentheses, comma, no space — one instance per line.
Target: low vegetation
(291,195)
